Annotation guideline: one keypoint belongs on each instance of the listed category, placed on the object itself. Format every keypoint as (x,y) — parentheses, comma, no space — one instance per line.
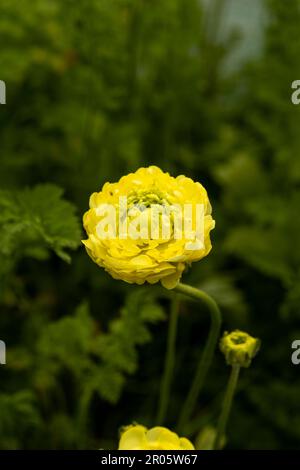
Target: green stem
(169,362)
(227,403)
(207,354)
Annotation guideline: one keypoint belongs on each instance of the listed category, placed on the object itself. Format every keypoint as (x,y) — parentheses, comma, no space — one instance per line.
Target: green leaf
(34,221)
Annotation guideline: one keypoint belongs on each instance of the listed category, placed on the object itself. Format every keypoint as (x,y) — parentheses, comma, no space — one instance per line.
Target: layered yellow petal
(137,437)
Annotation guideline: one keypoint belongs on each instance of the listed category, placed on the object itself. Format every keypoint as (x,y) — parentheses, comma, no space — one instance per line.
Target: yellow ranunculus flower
(137,437)
(159,254)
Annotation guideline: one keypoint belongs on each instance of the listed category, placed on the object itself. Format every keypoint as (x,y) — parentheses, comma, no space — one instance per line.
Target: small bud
(239,348)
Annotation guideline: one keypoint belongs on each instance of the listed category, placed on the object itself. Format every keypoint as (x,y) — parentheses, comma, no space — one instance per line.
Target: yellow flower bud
(153,230)
(137,437)
(239,348)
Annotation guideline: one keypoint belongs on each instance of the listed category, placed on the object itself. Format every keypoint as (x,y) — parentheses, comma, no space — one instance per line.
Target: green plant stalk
(227,403)
(169,363)
(207,354)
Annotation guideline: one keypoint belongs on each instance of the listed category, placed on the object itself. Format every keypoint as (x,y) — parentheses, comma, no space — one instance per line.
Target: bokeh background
(96,89)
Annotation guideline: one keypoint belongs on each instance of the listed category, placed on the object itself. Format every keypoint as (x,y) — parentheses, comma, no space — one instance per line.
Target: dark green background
(96,89)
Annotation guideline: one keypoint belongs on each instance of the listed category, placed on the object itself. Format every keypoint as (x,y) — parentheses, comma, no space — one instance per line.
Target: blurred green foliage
(96,89)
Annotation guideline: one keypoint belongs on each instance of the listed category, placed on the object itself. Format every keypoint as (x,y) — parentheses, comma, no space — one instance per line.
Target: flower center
(239,339)
(151,207)
(147,197)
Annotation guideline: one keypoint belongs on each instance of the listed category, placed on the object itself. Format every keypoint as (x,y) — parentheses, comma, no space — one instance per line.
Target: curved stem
(169,363)
(231,386)
(207,354)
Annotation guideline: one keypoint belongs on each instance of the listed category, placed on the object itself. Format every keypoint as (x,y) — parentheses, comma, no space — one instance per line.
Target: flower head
(239,348)
(137,437)
(148,226)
